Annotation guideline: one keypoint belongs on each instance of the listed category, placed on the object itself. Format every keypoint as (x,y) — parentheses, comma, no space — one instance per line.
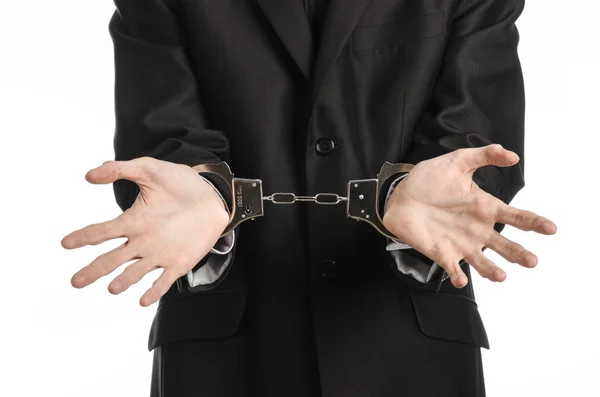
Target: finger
(485,267)
(103,265)
(525,220)
(511,251)
(455,272)
(131,275)
(159,287)
(138,170)
(470,159)
(95,234)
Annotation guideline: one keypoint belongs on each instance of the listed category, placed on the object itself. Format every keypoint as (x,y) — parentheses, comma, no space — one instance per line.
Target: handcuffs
(362,199)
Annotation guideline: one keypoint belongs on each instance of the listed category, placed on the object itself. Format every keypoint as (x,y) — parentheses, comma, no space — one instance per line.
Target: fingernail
(461,280)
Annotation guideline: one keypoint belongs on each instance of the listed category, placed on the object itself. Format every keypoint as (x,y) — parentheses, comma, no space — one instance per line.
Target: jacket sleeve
(158,107)
(478,97)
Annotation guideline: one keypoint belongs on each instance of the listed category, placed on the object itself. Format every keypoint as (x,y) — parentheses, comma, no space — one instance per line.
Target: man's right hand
(174,222)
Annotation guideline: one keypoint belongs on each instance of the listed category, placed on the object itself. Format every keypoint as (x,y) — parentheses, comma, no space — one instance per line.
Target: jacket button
(324,146)
(328,269)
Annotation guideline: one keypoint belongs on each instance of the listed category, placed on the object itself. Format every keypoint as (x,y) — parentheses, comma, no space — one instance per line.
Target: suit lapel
(290,22)
(342,16)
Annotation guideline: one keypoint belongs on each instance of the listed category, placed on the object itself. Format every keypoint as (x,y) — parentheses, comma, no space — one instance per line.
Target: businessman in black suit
(307,95)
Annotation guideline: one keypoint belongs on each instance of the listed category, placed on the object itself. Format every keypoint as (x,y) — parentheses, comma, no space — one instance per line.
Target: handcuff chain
(320,198)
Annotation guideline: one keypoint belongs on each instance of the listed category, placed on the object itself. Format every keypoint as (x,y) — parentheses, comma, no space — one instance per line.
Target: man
(306,96)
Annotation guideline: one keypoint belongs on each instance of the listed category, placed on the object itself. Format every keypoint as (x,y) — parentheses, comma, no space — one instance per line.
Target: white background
(56,115)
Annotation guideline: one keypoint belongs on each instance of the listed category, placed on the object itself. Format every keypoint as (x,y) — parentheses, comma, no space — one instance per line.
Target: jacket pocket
(449,317)
(197,316)
(376,36)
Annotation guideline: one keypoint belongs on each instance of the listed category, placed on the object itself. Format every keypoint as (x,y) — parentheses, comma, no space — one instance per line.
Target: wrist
(218,202)
(390,197)
(390,214)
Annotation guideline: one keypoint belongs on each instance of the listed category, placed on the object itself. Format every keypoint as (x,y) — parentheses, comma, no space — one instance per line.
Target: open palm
(440,211)
(174,222)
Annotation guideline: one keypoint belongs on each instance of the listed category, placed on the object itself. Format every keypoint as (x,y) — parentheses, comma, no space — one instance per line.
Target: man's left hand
(441,212)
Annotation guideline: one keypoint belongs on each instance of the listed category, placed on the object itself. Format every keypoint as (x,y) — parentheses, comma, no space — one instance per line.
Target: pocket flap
(449,317)
(430,24)
(198,316)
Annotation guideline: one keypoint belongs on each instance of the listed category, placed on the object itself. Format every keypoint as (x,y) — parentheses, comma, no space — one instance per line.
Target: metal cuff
(362,200)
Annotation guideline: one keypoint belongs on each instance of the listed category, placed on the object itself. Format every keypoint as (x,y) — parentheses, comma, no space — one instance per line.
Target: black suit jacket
(395,80)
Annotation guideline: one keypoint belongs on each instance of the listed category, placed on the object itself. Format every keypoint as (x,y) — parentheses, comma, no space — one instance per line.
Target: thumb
(492,154)
(136,170)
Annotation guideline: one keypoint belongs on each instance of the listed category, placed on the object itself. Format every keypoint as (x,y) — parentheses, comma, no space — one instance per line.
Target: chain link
(291,198)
